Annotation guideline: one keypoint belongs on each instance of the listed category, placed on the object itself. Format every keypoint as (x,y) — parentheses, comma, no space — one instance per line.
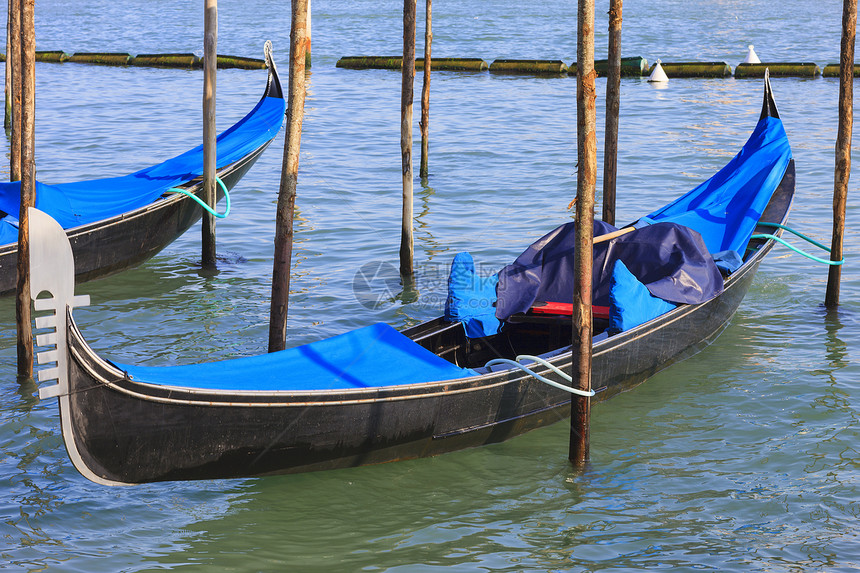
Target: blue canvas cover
(376,355)
(83,202)
(671,260)
(725,208)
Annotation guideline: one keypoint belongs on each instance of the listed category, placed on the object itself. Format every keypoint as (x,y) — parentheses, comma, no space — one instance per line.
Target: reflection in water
(837,349)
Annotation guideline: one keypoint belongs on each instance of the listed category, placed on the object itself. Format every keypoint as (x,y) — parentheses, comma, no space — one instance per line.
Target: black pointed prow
(768,107)
(273,86)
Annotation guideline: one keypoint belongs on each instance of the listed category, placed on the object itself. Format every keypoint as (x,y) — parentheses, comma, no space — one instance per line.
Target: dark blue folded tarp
(671,260)
(376,355)
(83,202)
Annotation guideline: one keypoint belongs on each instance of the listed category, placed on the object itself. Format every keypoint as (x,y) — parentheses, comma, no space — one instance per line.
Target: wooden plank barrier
(186,61)
(535,67)
(241,63)
(630,67)
(832,71)
(394,63)
(694,69)
(53,56)
(101,58)
(778,70)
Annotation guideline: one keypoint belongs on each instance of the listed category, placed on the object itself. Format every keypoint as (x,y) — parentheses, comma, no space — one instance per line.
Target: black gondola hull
(130,433)
(119,430)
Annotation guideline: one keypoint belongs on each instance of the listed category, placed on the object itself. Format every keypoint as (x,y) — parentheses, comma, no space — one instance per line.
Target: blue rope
(202,203)
(793,248)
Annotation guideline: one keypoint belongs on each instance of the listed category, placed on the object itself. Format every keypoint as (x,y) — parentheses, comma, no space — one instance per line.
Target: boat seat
(543,308)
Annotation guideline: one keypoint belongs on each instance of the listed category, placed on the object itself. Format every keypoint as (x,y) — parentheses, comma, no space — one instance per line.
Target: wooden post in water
(7,117)
(210,66)
(308,33)
(425,93)
(586,181)
(410,8)
(613,103)
(13,61)
(28,187)
(843,148)
(289,179)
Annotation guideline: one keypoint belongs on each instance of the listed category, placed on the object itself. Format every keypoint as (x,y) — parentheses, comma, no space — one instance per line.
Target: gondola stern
(52,271)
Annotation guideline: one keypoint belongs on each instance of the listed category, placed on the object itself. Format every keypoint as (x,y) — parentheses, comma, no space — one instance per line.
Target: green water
(742,458)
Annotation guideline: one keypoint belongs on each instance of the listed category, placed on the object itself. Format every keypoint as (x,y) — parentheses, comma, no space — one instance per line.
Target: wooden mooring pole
(28,187)
(423,170)
(309,40)
(13,62)
(843,148)
(410,8)
(210,66)
(7,117)
(613,104)
(586,181)
(289,179)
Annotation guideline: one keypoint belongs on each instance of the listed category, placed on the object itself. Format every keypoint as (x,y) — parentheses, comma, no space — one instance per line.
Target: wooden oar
(613,235)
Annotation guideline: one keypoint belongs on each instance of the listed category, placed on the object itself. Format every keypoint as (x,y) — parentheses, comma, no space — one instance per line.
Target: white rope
(537,376)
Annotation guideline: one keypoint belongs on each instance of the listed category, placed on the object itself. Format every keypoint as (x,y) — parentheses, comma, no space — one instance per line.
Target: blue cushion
(728,261)
(630,301)
(471,298)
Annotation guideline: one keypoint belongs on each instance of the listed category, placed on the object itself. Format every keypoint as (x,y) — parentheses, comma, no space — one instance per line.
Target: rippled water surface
(742,458)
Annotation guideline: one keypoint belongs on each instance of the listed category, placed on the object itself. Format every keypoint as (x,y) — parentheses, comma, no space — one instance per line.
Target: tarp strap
(792,247)
(202,203)
(536,376)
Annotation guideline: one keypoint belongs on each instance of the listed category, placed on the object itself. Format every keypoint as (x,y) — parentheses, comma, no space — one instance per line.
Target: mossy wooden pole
(613,104)
(7,117)
(289,179)
(586,180)
(843,148)
(410,8)
(425,93)
(309,41)
(210,66)
(14,62)
(28,187)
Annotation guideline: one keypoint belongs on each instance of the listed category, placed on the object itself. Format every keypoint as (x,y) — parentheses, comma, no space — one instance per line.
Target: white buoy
(658,75)
(751,58)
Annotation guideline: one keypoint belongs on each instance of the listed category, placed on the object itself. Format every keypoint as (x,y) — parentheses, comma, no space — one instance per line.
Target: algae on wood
(778,69)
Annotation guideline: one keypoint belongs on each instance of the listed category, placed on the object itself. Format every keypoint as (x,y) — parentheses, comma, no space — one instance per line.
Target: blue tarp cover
(725,208)
(671,260)
(376,355)
(83,202)
(671,254)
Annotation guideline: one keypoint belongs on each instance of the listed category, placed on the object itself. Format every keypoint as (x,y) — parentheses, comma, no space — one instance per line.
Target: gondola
(376,394)
(116,223)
